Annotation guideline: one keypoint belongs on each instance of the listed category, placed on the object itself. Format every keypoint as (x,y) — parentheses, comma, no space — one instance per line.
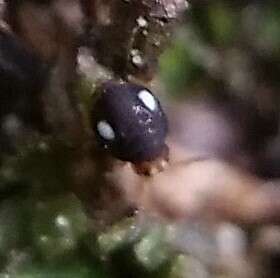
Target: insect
(128,121)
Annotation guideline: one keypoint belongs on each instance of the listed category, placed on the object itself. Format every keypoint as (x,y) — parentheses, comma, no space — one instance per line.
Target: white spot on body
(148,99)
(105,130)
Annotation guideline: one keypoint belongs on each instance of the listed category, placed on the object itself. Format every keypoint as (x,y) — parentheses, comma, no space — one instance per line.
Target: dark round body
(128,121)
